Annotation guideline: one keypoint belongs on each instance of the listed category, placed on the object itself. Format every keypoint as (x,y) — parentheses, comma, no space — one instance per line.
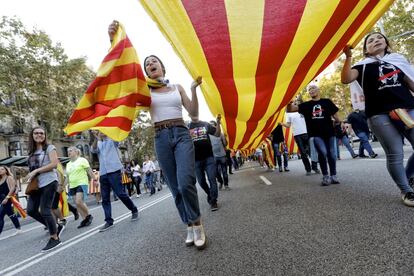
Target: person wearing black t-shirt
(386,79)
(318,113)
(204,158)
(358,121)
(278,139)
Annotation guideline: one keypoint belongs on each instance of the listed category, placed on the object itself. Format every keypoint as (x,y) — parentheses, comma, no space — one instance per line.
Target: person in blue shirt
(110,167)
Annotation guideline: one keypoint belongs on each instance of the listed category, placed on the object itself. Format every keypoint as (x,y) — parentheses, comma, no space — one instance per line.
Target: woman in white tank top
(173,144)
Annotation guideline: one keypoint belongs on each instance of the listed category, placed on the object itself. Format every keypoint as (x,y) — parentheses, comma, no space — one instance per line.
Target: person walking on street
(136,176)
(148,169)
(78,173)
(387,81)
(318,113)
(278,141)
(7,190)
(42,163)
(359,125)
(300,133)
(204,158)
(219,145)
(110,167)
(342,136)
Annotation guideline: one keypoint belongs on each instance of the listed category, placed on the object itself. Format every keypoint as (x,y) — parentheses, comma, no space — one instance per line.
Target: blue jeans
(149,182)
(313,151)
(345,142)
(203,167)
(390,134)
(278,156)
(222,176)
(114,181)
(8,210)
(326,148)
(175,153)
(364,143)
(302,140)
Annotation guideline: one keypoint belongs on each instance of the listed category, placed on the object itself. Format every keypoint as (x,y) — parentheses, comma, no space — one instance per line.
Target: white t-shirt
(297,122)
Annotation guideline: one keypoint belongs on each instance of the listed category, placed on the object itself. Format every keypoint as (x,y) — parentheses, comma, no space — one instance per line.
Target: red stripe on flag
(277,36)
(342,11)
(118,122)
(118,50)
(104,107)
(214,38)
(118,74)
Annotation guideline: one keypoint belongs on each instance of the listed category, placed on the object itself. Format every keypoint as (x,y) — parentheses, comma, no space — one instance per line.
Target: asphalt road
(289,226)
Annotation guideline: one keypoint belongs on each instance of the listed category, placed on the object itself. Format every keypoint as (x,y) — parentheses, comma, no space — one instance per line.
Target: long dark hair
(32,143)
(387,49)
(8,173)
(159,60)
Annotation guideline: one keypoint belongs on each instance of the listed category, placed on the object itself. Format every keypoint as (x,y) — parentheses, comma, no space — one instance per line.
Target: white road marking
(380,159)
(19,267)
(41,225)
(265,180)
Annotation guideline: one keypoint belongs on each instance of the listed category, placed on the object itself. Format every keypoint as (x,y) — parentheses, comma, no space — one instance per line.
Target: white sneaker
(200,239)
(190,236)
(138,196)
(18,232)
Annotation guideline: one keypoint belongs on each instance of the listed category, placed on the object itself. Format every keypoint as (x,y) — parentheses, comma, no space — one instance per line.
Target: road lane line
(41,225)
(19,267)
(265,180)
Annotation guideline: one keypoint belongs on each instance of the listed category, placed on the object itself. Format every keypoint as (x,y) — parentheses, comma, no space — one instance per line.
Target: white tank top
(166,105)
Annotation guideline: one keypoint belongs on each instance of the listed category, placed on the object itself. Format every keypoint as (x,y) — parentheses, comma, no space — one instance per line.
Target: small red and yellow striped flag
(113,98)
(268,153)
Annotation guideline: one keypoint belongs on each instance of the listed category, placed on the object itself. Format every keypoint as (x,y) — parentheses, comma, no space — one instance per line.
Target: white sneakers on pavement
(190,236)
(200,239)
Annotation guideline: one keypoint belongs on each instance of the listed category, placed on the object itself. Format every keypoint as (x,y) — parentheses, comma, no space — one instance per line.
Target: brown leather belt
(169,124)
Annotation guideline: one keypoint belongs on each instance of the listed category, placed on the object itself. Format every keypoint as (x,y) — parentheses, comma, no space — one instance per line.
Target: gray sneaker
(326,180)
(334,180)
(134,215)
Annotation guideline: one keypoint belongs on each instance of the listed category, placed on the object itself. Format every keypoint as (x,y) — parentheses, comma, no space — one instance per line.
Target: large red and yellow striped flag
(113,98)
(255,55)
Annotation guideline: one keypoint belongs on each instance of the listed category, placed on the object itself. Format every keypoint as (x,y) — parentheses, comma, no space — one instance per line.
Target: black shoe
(280,169)
(373,155)
(363,156)
(52,243)
(88,219)
(287,170)
(115,199)
(134,215)
(60,229)
(317,171)
(408,199)
(106,227)
(411,182)
(214,207)
(354,156)
(76,215)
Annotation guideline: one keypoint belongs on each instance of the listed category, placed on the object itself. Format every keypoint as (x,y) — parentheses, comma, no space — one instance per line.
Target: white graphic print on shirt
(388,76)
(317,112)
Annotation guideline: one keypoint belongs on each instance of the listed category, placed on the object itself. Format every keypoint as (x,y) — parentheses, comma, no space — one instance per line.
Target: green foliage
(39,84)
(141,138)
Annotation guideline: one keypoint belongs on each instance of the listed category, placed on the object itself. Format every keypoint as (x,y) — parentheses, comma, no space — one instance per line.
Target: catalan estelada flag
(113,98)
(255,55)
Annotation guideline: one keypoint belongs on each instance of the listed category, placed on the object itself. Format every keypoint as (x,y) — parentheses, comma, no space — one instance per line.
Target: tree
(39,84)
(141,138)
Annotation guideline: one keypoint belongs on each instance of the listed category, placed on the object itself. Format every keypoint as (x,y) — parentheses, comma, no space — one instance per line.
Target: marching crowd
(187,153)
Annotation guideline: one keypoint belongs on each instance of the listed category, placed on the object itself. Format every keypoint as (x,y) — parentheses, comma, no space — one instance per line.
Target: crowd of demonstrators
(300,134)
(205,163)
(219,145)
(358,122)
(7,190)
(78,173)
(127,179)
(386,79)
(318,113)
(279,147)
(110,169)
(342,137)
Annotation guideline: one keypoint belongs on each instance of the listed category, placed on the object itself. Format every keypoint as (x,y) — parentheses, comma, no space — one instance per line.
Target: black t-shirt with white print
(384,88)
(318,117)
(199,133)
